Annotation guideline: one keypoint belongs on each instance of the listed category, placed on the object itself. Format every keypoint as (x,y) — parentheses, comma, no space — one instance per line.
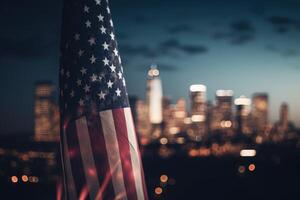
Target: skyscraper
(222,119)
(243,107)
(259,112)
(143,124)
(46,113)
(284,120)
(198,109)
(154,95)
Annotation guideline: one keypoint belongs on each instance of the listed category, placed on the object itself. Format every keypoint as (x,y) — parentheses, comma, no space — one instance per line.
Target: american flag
(100,152)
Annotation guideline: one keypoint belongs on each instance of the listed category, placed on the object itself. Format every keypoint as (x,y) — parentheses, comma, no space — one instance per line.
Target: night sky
(246,46)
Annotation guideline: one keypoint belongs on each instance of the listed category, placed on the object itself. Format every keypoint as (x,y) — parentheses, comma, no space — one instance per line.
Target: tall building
(154,95)
(259,112)
(284,118)
(143,125)
(174,122)
(243,108)
(222,117)
(46,113)
(180,114)
(198,112)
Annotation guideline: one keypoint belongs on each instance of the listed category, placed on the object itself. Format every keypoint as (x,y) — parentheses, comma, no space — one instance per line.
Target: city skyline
(249,46)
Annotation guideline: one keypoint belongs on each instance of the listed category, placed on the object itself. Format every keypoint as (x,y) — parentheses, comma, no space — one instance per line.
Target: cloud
(171,45)
(282,24)
(167,67)
(180,28)
(242,26)
(140,50)
(283,52)
(240,32)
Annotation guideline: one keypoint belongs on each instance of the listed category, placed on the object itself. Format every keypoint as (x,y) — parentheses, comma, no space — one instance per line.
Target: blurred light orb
(14,179)
(241,169)
(25,178)
(248,153)
(251,167)
(158,190)
(164,178)
(163,141)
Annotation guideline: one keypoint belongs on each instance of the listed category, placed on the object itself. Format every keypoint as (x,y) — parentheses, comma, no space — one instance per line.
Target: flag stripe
(75,157)
(106,190)
(68,170)
(124,148)
(113,155)
(87,157)
(135,155)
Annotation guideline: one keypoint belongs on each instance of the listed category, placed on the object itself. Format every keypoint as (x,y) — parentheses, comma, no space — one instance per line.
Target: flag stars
(109,84)
(108,10)
(77,36)
(78,82)
(118,91)
(93,59)
(120,75)
(83,70)
(105,61)
(72,93)
(101,18)
(93,78)
(111,23)
(92,41)
(112,68)
(112,35)
(98,2)
(124,83)
(101,95)
(103,29)
(86,88)
(88,24)
(68,74)
(86,9)
(105,46)
(80,52)
(81,102)
(116,52)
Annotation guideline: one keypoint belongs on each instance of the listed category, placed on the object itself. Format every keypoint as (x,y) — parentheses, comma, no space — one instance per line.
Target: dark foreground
(276,176)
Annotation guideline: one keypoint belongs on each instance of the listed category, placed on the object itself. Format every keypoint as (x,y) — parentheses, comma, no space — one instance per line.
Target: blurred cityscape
(230,128)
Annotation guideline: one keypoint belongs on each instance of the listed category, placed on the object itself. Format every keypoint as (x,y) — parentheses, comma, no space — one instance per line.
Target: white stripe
(112,148)
(87,157)
(67,163)
(134,154)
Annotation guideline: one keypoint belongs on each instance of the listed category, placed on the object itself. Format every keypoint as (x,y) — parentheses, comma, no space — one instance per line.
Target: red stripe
(124,149)
(75,157)
(100,157)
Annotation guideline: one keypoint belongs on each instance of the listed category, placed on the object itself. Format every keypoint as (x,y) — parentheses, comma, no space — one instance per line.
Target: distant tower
(198,109)
(260,112)
(180,113)
(284,120)
(46,113)
(223,112)
(143,125)
(154,95)
(243,107)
